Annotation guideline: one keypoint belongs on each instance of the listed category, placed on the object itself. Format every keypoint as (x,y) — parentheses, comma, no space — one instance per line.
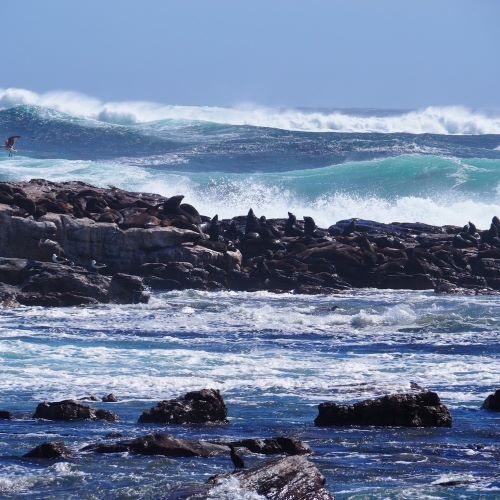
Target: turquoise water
(274,358)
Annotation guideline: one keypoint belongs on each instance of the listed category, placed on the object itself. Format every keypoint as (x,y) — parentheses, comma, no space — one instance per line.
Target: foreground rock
(271,446)
(290,478)
(161,444)
(197,407)
(49,450)
(68,410)
(170,246)
(406,410)
(492,402)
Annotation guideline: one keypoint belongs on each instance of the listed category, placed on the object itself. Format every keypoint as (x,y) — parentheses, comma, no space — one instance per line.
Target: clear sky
(311,53)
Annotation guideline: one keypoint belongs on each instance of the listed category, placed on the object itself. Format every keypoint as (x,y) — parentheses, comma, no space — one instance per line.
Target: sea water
(273,357)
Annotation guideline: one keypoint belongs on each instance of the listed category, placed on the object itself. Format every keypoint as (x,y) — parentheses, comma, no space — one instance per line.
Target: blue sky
(311,53)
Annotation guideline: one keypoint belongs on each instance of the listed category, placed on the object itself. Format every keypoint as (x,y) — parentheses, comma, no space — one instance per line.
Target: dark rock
(110,398)
(6,415)
(422,409)
(197,407)
(406,281)
(492,402)
(68,410)
(49,450)
(290,478)
(127,289)
(269,446)
(161,444)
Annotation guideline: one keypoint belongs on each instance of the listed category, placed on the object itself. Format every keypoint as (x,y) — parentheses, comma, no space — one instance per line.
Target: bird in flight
(10,144)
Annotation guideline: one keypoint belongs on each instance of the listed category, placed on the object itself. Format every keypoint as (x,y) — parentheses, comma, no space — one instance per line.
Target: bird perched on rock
(10,144)
(96,267)
(56,259)
(236,459)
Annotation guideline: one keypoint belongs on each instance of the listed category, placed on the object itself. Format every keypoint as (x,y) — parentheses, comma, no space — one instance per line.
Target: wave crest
(453,120)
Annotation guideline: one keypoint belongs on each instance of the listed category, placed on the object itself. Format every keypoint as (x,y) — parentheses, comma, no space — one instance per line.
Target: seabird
(236,459)
(95,266)
(59,260)
(10,144)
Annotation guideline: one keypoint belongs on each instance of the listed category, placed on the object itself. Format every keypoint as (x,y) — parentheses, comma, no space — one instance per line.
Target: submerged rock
(492,402)
(68,410)
(110,398)
(197,407)
(6,415)
(49,450)
(422,409)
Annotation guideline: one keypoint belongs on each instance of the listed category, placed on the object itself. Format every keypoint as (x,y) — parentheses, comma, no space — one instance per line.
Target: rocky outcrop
(68,410)
(172,247)
(422,409)
(51,284)
(197,407)
(161,444)
(290,478)
(110,398)
(492,402)
(49,450)
(271,446)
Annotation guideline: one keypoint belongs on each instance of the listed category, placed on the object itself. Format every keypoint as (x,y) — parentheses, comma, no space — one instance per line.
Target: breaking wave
(453,120)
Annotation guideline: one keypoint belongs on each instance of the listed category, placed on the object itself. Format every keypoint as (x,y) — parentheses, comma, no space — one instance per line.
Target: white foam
(436,120)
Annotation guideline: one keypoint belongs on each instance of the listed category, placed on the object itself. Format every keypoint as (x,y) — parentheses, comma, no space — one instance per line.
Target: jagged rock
(492,402)
(49,450)
(269,446)
(161,444)
(290,478)
(71,410)
(197,407)
(422,409)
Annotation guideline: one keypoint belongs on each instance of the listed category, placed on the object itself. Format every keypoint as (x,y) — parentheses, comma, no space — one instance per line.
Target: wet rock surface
(492,402)
(161,444)
(6,415)
(196,407)
(290,478)
(142,237)
(49,451)
(405,410)
(271,446)
(68,410)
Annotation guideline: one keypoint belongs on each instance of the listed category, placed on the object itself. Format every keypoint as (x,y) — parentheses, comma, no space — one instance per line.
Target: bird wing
(11,141)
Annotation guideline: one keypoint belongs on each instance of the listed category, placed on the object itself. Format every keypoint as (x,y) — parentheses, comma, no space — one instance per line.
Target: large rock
(492,402)
(197,407)
(68,410)
(49,450)
(406,410)
(271,446)
(161,444)
(290,478)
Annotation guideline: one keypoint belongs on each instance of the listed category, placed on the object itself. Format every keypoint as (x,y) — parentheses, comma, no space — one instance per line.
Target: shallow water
(274,358)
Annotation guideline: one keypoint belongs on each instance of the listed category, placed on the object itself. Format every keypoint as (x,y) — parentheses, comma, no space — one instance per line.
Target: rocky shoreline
(291,476)
(148,241)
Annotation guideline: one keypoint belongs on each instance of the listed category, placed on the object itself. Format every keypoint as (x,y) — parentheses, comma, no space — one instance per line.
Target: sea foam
(433,119)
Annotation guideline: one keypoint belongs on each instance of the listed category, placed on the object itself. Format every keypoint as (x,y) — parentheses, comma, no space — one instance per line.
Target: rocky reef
(72,243)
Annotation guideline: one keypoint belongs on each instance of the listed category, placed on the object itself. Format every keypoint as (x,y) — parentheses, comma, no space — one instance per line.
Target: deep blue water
(274,358)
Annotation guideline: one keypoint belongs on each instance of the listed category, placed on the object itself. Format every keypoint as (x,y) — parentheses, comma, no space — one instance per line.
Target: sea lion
(291,227)
(252,223)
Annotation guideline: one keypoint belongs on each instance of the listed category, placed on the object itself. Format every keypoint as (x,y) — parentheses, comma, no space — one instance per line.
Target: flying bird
(10,144)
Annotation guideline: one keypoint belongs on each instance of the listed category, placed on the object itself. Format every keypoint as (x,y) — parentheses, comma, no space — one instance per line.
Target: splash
(451,120)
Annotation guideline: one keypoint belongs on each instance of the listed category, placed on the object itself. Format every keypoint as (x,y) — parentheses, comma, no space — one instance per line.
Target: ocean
(274,357)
